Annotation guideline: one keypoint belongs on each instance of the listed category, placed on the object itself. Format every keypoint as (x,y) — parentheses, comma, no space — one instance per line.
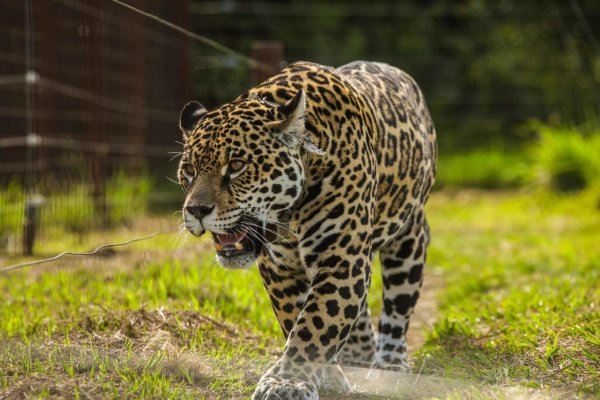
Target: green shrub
(126,196)
(71,209)
(564,159)
(561,159)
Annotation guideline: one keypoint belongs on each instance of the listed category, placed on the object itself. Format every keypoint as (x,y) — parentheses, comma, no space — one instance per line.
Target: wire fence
(90,95)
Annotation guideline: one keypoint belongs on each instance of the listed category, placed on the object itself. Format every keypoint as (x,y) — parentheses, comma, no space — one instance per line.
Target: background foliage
(486,67)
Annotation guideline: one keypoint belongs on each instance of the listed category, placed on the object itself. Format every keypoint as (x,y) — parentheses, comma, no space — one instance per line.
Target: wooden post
(30,224)
(267,53)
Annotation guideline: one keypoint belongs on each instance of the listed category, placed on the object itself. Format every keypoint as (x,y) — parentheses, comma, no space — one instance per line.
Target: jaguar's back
(405,142)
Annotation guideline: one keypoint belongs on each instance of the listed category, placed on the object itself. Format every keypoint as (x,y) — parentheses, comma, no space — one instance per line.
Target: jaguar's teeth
(218,246)
(238,246)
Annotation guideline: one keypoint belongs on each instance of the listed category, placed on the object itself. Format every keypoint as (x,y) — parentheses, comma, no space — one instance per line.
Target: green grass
(522,298)
(145,328)
(12,209)
(488,169)
(73,208)
(519,306)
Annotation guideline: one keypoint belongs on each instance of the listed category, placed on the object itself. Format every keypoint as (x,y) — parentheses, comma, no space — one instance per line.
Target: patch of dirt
(34,386)
(397,385)
(147,329)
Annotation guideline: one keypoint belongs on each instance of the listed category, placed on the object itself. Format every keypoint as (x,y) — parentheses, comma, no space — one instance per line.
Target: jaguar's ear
(293,111)
(190,115)
(290,127)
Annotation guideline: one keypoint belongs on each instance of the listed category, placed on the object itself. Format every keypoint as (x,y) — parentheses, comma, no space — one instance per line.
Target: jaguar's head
(241,169)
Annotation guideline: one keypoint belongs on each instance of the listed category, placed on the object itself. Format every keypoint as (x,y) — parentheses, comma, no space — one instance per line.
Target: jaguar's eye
(236,166)
(189,170)
(233,169)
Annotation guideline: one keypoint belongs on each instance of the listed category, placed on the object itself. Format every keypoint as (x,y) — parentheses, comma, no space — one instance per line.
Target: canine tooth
(218,246)
(238,246)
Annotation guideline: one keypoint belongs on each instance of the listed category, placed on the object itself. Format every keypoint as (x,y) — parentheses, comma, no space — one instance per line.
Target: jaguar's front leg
(339,268)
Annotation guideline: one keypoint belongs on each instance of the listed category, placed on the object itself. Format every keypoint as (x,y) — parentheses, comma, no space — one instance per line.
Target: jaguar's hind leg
(402,262)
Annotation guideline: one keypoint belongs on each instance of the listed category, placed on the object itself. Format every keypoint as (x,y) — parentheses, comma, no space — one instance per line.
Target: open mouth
(237,243)
(246,239)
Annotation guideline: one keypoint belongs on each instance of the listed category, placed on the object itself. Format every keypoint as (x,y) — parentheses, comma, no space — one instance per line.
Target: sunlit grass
(521,304)
(488,169)
(132,326)
(29,302)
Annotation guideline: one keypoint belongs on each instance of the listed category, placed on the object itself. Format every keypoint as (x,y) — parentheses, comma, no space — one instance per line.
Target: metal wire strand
(73,253)
(202,39)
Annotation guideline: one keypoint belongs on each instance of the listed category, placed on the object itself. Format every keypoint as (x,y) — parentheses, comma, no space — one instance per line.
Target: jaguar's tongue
(227,239)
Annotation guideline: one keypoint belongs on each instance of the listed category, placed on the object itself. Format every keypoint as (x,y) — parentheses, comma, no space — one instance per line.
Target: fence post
(268,52)
(30,224)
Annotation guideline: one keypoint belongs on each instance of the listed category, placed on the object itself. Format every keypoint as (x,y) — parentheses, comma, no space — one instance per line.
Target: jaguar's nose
(200,211)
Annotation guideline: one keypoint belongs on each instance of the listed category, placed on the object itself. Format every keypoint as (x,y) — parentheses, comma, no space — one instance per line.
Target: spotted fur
(333,165)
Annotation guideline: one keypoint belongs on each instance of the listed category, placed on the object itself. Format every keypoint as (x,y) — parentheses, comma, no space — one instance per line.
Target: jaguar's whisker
(182,236)
(268,247)
(277,234)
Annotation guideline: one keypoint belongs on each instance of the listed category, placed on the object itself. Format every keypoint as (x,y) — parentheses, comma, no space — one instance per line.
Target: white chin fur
(197,231)
(238,262)
(194,227)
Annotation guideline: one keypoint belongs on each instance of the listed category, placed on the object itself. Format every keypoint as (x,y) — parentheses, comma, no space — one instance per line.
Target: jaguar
(310,174)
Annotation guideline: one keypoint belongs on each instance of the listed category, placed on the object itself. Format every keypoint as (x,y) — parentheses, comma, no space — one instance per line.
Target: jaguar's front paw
(272,387)
(399,364)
